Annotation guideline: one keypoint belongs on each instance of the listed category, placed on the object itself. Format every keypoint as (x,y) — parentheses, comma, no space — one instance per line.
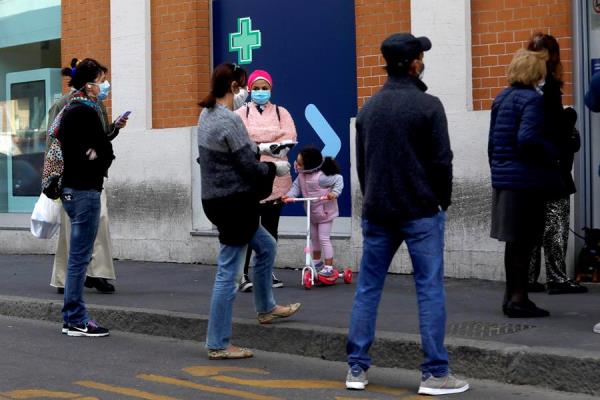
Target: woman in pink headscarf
(267,123)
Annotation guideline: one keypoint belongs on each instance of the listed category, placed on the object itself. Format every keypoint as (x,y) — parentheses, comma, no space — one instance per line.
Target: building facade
(160,54)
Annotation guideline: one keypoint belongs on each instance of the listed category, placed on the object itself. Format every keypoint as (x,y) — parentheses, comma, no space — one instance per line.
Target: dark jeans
(83,209)
(269,219)
(425,241)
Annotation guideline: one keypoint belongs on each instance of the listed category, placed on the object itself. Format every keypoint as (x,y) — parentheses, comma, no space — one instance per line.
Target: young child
(318,177)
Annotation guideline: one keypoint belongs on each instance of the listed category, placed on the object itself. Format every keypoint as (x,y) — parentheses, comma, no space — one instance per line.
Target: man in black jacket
(404,165)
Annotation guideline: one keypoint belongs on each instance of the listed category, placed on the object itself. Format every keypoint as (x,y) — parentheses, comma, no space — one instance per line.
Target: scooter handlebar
(295,199)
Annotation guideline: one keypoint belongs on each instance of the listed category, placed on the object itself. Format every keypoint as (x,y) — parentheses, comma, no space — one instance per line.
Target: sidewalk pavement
(560,352)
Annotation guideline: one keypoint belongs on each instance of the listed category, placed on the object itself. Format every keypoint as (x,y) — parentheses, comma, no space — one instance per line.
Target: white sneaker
(443,385)
(597,328)
(356,378)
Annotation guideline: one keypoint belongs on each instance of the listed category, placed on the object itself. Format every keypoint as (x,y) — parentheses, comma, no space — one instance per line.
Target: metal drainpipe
(584,169)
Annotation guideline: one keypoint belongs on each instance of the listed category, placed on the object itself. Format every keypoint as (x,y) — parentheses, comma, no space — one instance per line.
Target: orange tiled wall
(501,27)
(375,20)
(86,32)
(180,61)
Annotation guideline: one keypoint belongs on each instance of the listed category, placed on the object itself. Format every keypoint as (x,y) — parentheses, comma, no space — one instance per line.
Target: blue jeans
(425,241)
(83,209)
(229,269)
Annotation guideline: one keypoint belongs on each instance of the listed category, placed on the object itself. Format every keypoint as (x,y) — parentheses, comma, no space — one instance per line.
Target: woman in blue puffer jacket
(525,173)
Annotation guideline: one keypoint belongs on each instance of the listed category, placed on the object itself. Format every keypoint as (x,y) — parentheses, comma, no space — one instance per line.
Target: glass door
(29,95)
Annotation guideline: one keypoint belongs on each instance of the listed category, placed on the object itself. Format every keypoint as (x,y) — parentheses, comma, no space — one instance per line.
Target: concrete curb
(558,369)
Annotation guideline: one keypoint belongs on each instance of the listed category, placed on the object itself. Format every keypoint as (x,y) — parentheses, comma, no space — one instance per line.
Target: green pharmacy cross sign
(244,40)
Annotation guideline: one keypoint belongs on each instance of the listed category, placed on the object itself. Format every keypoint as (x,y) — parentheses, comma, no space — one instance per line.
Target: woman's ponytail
(208,101)
(70,71)
(82,72)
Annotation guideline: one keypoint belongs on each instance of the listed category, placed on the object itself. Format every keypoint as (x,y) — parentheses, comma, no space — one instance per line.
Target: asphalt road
(38,362)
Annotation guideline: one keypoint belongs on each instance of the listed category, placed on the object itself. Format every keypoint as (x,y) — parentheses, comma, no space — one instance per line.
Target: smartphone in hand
(123,116)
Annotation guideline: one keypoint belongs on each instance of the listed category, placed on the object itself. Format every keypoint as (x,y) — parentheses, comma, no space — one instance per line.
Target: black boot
(102,285)
(525,309)
(566,287)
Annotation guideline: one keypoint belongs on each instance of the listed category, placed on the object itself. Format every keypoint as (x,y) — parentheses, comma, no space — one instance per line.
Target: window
(30,81)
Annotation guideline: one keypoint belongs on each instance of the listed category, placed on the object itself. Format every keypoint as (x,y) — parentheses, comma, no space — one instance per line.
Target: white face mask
(239,99)
(540,86)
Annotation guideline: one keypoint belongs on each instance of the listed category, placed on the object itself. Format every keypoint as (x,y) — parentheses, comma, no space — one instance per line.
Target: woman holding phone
(87,154)
(101,269)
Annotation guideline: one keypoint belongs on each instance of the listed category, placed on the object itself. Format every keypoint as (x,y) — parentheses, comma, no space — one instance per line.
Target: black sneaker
(101,284)
(566,288)
(245,284)
(89,329)
(276,282)
(65,328)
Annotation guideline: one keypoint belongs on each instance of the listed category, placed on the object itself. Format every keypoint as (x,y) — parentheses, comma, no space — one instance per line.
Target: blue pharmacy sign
(595,65)
(309,48)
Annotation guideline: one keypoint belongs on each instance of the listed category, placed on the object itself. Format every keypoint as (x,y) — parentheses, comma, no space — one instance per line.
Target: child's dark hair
(82,72)
(222,78)
(312,158)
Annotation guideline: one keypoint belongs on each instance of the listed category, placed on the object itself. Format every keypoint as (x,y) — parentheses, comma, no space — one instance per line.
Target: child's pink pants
(320,238)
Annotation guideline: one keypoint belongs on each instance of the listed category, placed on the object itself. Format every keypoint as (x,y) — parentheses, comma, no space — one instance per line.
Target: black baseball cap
(400,49)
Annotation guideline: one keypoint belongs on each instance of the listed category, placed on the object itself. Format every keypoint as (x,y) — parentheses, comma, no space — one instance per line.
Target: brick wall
(180,61)
(86,33)
(501,27)
(375,20)
(181,52)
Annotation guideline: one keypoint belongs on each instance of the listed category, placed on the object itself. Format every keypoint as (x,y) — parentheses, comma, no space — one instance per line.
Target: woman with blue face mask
(101,269)
(87,153)
(267,123)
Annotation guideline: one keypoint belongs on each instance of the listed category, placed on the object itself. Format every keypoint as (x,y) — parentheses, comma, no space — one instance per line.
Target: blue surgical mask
(104,90)
(260,97)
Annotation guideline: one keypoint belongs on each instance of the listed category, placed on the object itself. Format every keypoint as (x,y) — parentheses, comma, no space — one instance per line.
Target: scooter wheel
(306,280)
(347,276)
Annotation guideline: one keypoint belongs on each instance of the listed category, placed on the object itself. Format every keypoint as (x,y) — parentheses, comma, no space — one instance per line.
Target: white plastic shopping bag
(45,218)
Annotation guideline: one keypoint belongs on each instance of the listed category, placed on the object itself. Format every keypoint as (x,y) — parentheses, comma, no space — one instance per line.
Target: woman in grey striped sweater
(233,182)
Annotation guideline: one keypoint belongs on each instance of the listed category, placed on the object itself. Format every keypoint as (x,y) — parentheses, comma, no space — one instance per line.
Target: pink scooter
(310,276)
